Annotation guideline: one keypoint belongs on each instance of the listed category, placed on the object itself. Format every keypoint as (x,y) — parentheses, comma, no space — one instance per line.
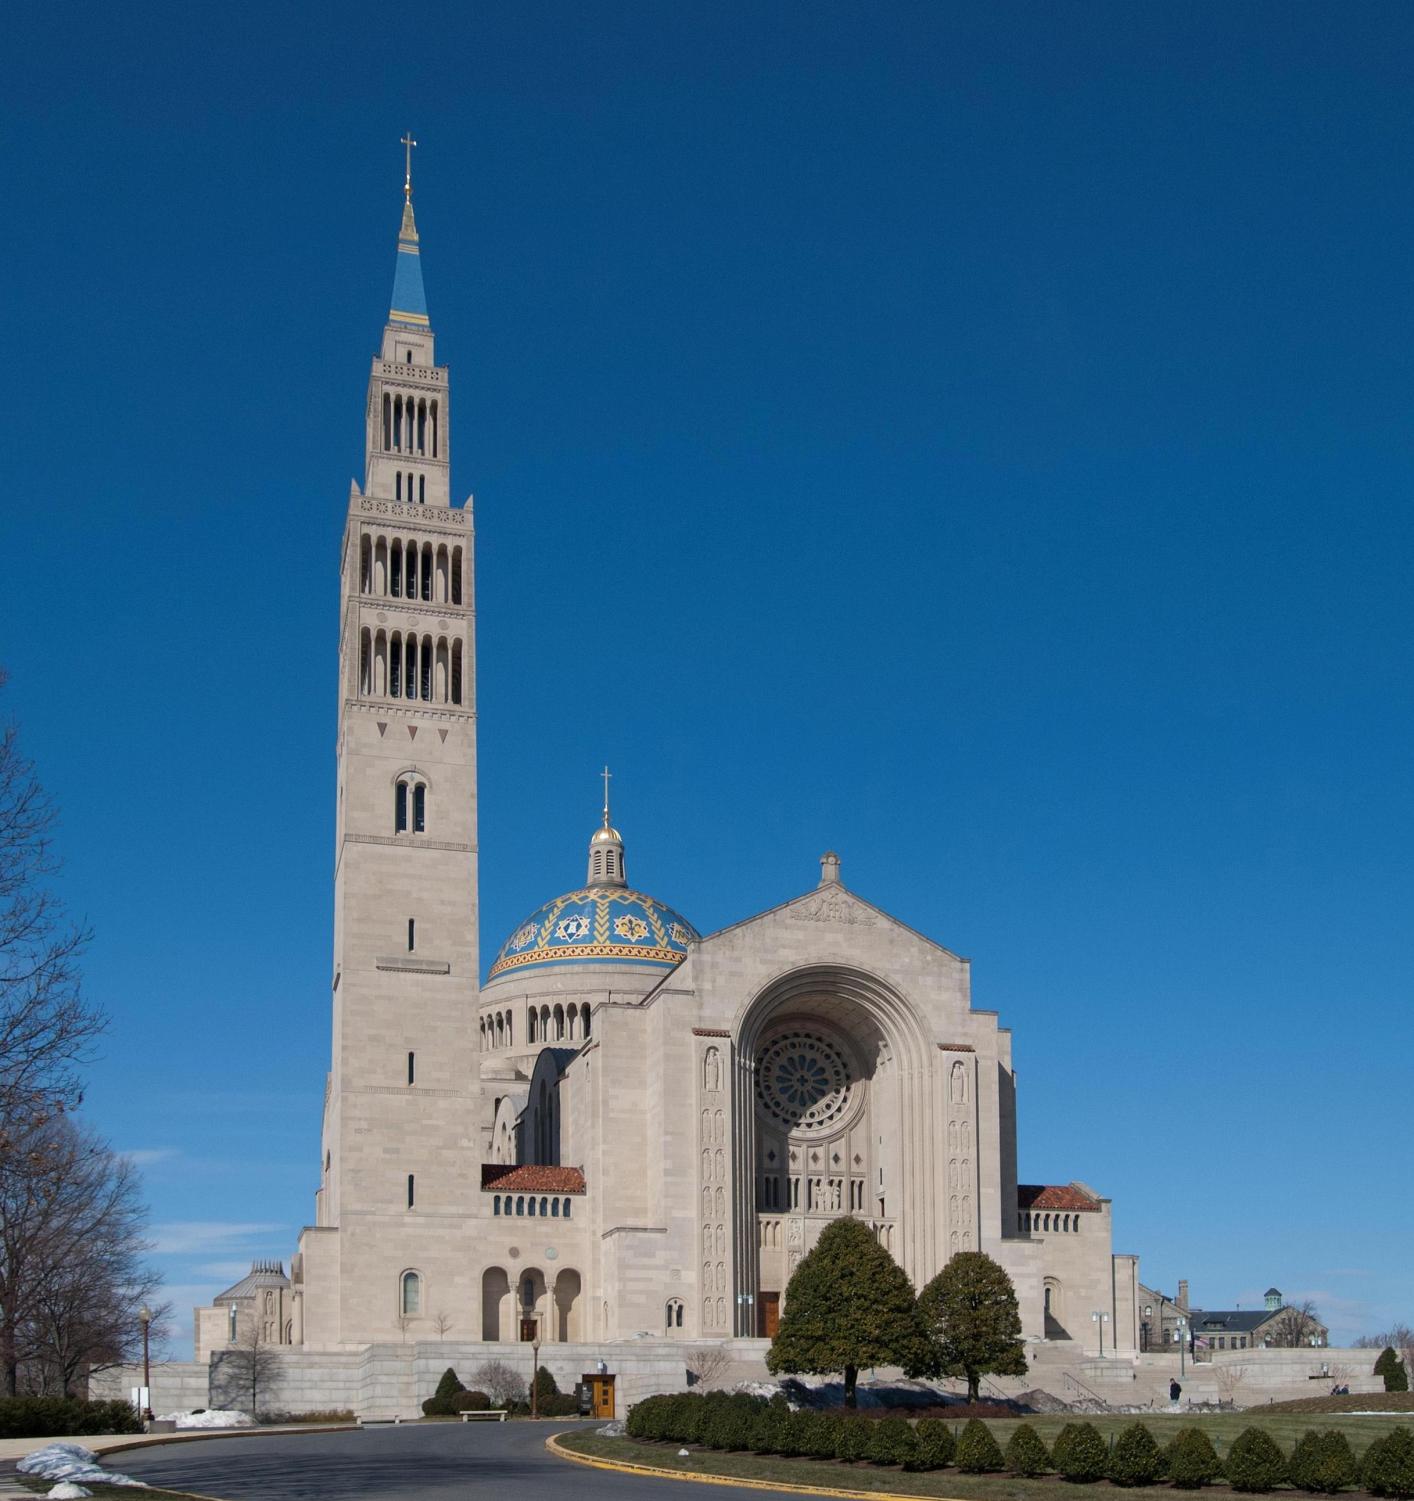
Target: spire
(409,301)
(606,849)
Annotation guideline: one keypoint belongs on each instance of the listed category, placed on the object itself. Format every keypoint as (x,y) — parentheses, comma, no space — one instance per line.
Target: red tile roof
(531,1178)
(1053,1196)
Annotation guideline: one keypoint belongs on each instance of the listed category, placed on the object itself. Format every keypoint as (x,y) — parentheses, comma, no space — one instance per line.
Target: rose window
(802,1081)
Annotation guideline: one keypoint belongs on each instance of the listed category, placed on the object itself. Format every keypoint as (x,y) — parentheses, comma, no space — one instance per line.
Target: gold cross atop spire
(408,144)
(606,774)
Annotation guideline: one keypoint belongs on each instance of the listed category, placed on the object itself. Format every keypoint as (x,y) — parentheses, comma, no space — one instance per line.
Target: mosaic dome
(599,924)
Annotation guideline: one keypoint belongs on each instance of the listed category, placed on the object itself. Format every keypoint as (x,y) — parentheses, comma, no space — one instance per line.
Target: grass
(1222,1428)
(1370,1402)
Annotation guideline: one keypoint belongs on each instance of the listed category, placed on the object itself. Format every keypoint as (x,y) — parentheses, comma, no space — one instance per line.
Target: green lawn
(1221,1428)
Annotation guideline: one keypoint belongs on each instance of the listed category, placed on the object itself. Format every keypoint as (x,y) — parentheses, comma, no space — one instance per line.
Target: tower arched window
(427,571)
(398,485)
(584,1019)
(397,423)
(400,809)
(456,672)
(410,1301)
(419,808)
(365,565)
(395,571)
(530,1026)
(456,575)
(422,489)
(365,661)
(434,429)
(387,422)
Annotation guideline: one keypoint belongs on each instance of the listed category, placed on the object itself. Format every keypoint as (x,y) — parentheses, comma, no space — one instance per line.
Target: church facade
(628,1129)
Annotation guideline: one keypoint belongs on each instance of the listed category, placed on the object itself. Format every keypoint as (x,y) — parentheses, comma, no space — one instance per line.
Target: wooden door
(601,1391)
(770,1304)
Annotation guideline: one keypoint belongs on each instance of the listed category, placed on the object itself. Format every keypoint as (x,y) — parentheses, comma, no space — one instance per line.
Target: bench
(487,1414)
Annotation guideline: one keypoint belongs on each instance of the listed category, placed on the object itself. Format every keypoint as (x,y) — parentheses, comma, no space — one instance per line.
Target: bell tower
(399,1175)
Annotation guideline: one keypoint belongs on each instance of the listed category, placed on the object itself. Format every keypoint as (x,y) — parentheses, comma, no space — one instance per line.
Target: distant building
(1276,1325)
(1164,1322)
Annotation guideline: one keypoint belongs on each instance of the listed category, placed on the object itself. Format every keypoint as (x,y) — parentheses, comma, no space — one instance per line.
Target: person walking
(1175,1391)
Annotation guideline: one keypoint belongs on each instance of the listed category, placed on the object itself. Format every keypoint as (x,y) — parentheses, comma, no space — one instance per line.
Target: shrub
(1135,1458)
(1388,1469)
(1391,1367)
(440,1403)
(1062,1443)
(1026,1452)
(935,1445)
(54,1417)
(977,1450)
(1254,1462)
(814,1434)
(852,1439)
(1083,1456)
(1322,1462)
(892,1442)
(470,1402)
(728,1423)
(1191,1460)
(798,1433)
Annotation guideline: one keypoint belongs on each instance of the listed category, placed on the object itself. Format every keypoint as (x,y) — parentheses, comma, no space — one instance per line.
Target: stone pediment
(833,904)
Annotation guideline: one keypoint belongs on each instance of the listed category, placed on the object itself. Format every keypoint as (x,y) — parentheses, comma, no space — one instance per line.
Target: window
(412,1191)
(567,1208)
(496,1205)
(412,1068)
(400,801)
(411,1302)
(412,934)
(532,1205)
(554,1209)
(672,1314)
(422,489)
(231,1324)
(419,809)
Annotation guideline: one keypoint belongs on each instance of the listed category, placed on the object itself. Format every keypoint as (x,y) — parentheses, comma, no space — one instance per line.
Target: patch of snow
(210,1418)
(74,1463)
(615,1429)
(66,1490)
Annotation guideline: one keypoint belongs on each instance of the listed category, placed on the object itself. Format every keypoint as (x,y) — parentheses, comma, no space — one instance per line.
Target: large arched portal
(833,1109)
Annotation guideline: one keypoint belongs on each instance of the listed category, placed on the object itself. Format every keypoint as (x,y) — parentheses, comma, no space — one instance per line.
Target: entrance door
(527,1331)
(770,1321)
(601,1394)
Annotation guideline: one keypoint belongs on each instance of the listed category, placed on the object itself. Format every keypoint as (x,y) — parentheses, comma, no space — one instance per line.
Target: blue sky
(973,437)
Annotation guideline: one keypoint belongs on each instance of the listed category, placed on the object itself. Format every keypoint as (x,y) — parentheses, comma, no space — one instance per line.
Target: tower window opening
(365,663)
(456,575)
(398,423)
(409,357)
(412,1190)
(426,681)
(427,571)
(395,668)
(412,934)
(400,808)
(419,809)
(456,672)
(422,427)
(412,1068)
(412,1295)
(387,422)
(396,571)
(398,486)
(434,429)
(422,492)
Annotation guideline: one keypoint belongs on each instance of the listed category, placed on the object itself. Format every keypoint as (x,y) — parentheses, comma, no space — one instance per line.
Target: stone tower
(399,1172)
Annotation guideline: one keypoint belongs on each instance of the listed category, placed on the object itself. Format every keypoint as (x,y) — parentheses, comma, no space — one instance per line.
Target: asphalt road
(410,1462)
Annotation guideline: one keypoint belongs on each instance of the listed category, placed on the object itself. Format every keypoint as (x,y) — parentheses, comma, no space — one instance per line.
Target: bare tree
(708,1366)
(46,1027)
(1229,1379)
(246,1372)
(441,1323)
(1293,1326)
(501,1382)
(1399,1338)
(71,1254)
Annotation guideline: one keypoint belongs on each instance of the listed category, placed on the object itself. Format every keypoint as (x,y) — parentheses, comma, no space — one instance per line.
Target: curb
(624,1467)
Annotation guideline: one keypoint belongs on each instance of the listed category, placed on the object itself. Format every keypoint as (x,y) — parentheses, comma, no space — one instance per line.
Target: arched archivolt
(874,1039)
(568,1288)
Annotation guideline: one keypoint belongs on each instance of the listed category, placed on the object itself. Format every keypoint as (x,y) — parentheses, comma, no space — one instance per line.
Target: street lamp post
(535,1371)
(1182,1346)
(1100,1320)
(144,1317)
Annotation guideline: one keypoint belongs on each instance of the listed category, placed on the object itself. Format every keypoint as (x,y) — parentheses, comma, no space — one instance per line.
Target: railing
(1081,1390)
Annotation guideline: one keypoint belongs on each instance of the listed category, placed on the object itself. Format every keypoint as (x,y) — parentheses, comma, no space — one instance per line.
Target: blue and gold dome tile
(598,925)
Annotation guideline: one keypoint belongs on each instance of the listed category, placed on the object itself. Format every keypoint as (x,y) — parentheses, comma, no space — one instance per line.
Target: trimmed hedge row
(1322,1463)
(55,1417)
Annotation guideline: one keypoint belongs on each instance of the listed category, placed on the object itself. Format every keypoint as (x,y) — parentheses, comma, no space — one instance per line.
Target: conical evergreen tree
(1391,1367)
(969,1311)
(849,1305)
